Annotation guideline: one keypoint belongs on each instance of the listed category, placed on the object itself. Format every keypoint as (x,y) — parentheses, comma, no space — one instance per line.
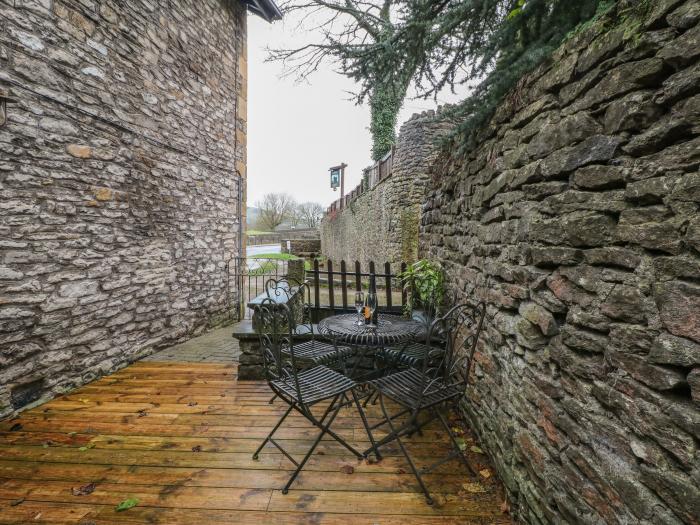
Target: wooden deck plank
(179,437)
(223,477)
(51,513)
(206,444)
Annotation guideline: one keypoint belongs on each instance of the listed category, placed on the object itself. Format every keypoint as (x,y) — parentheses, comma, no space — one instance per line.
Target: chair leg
(366,424)
(324,430)
(428,498)
(272,399)
(269,436)
(453,439)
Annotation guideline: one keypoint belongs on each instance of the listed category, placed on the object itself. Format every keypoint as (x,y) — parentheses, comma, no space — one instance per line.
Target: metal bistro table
(391,330)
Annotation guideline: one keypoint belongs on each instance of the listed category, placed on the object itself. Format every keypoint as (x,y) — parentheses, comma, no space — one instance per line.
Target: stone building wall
(120,174)
(576,220)
(381,225)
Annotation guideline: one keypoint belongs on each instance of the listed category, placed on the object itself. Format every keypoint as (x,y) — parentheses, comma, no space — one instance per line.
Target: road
(252,251)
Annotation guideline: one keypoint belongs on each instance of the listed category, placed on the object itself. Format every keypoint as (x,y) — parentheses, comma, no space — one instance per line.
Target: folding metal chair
(439,382)
(312,350)
(300,389)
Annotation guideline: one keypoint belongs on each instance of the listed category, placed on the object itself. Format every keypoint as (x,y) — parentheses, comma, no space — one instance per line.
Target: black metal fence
(332,286)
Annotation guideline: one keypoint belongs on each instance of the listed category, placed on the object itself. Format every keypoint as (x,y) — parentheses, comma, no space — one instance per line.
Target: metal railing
(332,286)
(335,288)
(248,275)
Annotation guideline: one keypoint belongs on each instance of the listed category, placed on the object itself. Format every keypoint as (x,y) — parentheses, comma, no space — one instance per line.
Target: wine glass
(372,304)
(359,305)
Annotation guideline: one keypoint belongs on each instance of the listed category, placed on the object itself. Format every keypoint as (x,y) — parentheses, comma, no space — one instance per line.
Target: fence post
(331,293)
(387,283)
(344,283)
(404,297)
(358,277)
(317,285)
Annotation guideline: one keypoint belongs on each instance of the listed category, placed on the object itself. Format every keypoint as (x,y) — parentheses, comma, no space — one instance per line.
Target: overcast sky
(297,131)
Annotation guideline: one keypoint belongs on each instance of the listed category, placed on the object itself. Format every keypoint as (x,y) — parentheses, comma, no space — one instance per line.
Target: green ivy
(385,103)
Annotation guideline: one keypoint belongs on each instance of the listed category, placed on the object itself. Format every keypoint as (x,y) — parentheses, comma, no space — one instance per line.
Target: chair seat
(316,384)
(412,355)
(405,388)
(319,352)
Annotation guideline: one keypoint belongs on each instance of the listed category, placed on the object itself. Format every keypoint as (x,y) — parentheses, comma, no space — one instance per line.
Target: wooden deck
(179,438)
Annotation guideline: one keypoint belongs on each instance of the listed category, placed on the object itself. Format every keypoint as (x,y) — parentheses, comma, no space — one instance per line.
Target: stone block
(625,303)
(539,316)
(694,382)
(651,191)
(622,79)
(679,307)
(683,50)
(671,350)
(686,16)
(588,229)
(579,364)
(554,256)
(584,340)
(599,177)
(557,134)
(635,111)
(663,132)
(78,289)
(595,149)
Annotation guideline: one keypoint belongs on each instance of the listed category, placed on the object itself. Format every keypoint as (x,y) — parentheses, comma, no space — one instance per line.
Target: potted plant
(425,283)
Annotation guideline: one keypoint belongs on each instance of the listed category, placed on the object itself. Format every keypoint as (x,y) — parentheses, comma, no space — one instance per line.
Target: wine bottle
(373,290)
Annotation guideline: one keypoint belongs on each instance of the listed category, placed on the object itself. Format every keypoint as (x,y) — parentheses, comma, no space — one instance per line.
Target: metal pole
(342,185)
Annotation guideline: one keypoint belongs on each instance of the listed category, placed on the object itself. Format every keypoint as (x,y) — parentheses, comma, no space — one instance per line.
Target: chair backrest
(297,295)
(274,323)
(450,345)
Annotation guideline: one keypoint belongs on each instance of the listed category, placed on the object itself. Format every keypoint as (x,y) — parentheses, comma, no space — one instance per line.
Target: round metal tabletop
(391,330)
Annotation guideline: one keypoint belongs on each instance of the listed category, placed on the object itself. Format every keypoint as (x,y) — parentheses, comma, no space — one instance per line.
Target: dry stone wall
(576,220)
(381,225)
(119,182)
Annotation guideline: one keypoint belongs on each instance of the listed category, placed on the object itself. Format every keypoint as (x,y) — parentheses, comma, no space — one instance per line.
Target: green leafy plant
(425,283)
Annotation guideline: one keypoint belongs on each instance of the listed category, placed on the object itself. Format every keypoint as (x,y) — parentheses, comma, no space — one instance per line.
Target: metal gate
(246,280)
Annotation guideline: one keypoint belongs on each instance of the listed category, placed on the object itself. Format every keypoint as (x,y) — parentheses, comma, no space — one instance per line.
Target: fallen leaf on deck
(16,427)
(84,400)
(347,469)
(476,449)
(400,471)
(192,404)
(474,487)
(197,448)
(142,413)
(505,508)
(371,460)
(126,504)
(460,443)
(84,490)
(486,473)
(321,453)
(16,502)
(86,447)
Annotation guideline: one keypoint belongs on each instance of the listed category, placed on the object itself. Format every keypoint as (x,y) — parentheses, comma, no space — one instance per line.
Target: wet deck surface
(179,437)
